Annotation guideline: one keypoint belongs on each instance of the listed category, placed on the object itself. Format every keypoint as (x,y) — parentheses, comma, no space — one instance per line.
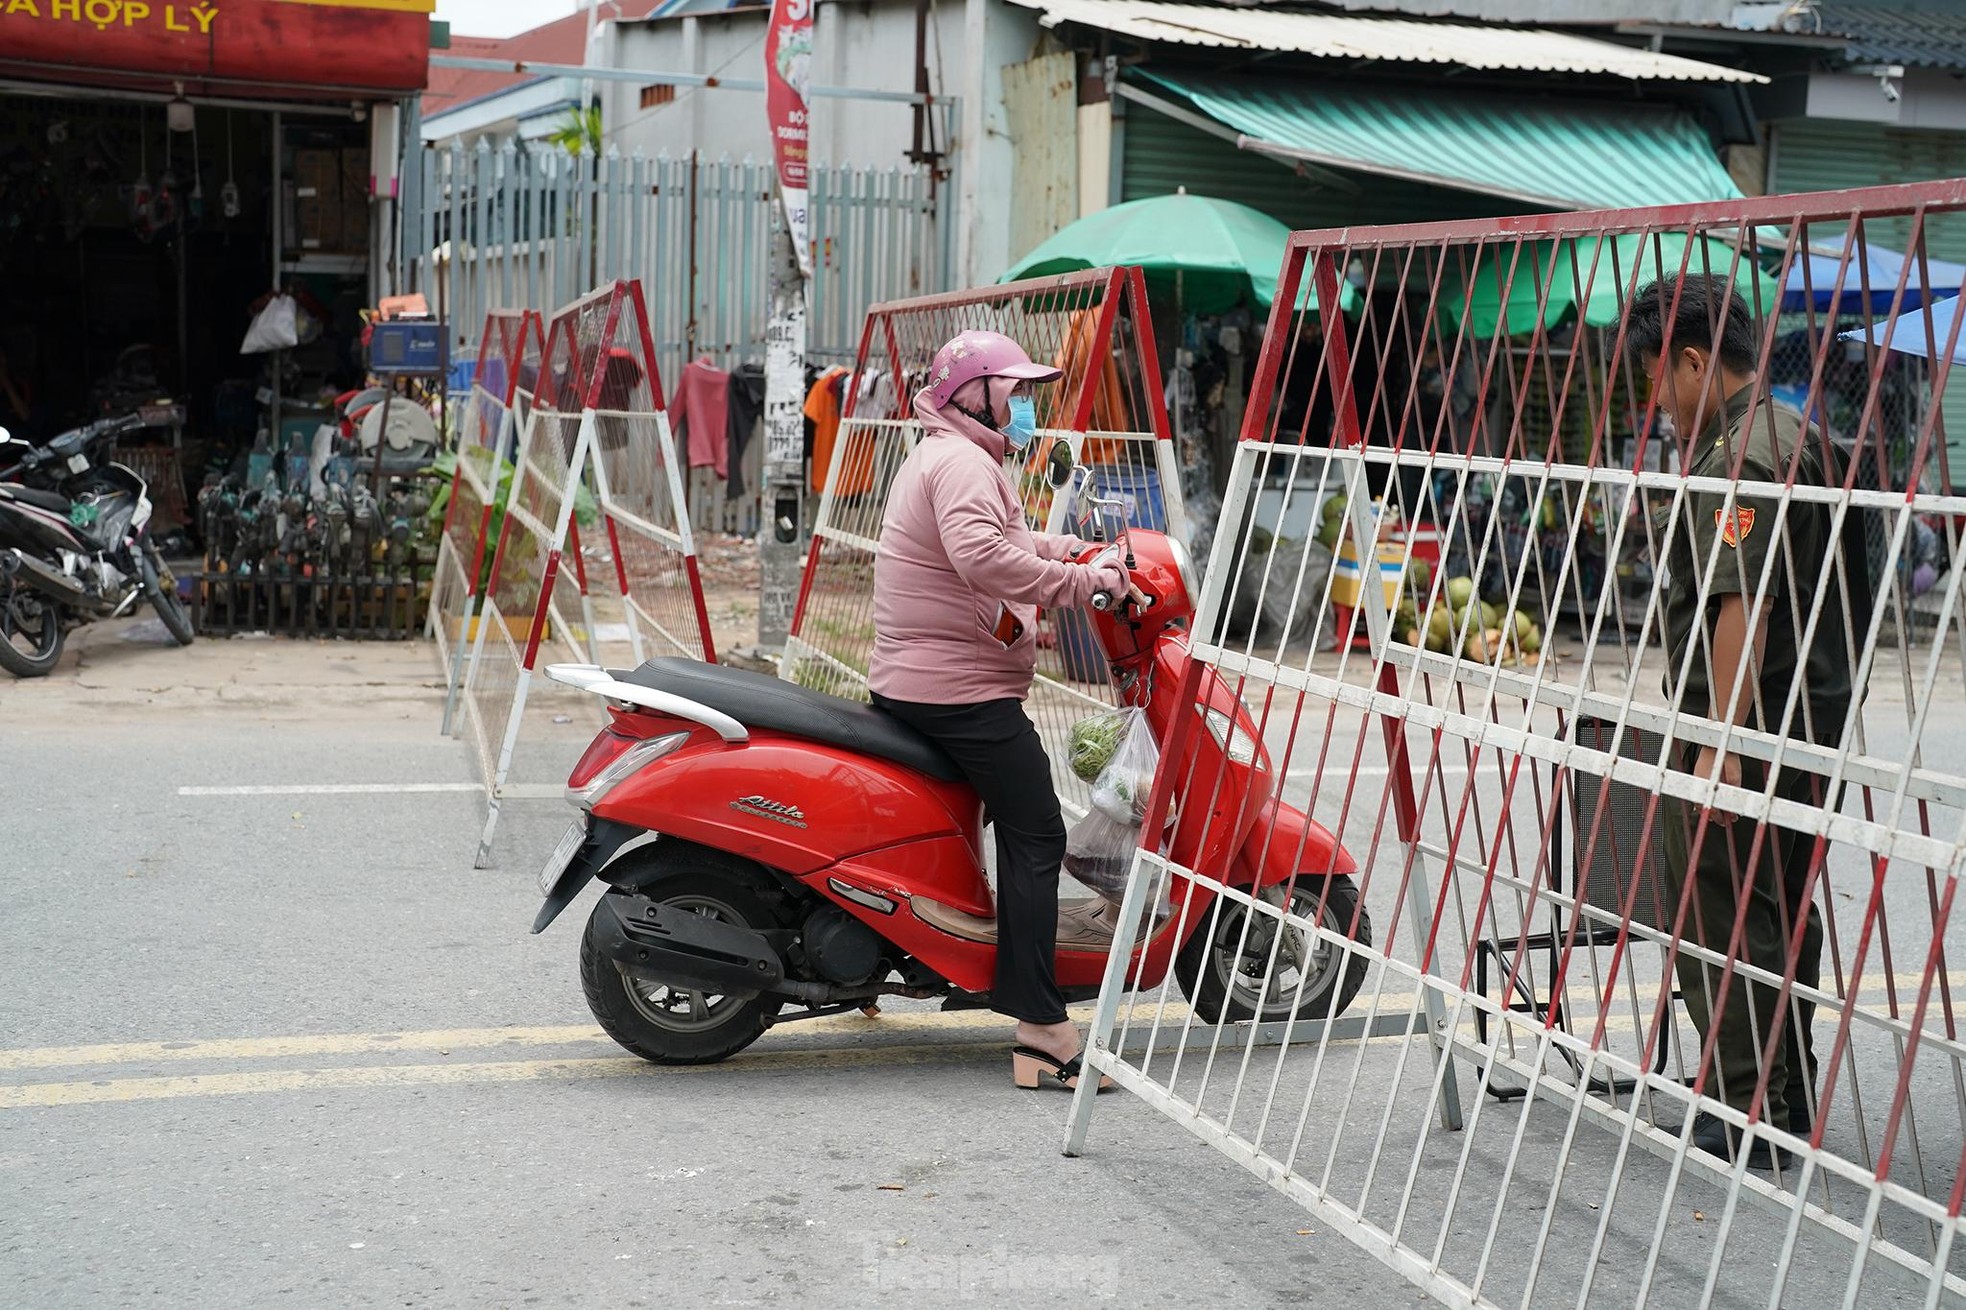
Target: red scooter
(766,846)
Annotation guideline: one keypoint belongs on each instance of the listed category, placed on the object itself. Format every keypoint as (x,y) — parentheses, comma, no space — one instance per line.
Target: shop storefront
(165,170)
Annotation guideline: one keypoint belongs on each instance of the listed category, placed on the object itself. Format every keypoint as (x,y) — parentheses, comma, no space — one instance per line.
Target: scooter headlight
(1184,564)
(646,751)
(1235,743)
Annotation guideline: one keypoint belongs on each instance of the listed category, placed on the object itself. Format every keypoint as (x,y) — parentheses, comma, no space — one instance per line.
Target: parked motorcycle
(74,545)
(766,846)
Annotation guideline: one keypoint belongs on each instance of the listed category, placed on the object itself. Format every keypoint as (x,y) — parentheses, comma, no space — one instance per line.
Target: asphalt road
(289,1049)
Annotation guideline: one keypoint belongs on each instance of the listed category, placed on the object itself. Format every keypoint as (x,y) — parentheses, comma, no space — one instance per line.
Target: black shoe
(1717,1137)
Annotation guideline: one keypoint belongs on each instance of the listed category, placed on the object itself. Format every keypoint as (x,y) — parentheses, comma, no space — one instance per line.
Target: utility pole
(784,465)
(788,62)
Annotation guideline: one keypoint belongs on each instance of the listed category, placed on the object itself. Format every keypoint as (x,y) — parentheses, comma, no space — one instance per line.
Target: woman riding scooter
(957,584)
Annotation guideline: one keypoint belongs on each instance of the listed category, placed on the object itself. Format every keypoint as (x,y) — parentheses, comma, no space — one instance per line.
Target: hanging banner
(788,63)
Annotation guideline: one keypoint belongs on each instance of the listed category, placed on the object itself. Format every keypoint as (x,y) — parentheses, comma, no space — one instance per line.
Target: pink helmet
(978,354)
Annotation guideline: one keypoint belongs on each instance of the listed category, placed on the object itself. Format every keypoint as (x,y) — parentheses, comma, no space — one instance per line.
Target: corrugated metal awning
(1334,36)
(1558,155)
(1894,34)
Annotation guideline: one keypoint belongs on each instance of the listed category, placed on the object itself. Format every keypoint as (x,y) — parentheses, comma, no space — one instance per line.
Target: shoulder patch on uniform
(1735,530)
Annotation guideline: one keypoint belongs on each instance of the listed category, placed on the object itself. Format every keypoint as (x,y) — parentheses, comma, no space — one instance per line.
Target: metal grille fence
(1094,326)
(639,484)
(1653,787)
(501,391)
(534,225)
(538,592)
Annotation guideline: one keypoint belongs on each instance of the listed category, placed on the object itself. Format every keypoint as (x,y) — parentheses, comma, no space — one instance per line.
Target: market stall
(164,181)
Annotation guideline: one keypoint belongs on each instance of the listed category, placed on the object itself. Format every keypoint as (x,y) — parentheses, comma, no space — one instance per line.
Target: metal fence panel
(519,224)
(1633,864)
(638,481)
(487,436)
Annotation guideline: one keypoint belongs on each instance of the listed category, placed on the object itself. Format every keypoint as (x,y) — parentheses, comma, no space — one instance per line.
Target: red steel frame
(1113,286)
(513,348)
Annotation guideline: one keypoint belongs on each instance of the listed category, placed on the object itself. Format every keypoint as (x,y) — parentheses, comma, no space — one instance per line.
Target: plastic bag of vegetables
(1099,853)
(1120,790)
(1095,740)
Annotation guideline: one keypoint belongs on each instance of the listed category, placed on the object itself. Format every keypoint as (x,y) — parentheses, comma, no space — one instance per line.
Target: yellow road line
(892,1023)
(45,1095)
(268,1048)
(464,1039)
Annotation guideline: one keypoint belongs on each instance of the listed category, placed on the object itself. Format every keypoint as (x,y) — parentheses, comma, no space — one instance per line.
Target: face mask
(1023,425)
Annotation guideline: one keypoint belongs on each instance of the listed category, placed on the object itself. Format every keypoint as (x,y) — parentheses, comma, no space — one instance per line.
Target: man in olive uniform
(1697,344)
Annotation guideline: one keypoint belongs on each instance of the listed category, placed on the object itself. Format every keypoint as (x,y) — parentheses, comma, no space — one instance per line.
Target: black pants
(998,750)
(1774,886)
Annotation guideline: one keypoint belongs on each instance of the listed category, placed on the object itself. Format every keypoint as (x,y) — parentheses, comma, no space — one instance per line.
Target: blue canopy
(1812,280)
(1908,335)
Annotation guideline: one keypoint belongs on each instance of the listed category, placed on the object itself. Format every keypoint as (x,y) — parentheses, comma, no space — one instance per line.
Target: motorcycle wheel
(1224,982)
(675,1025)
(161,587)
(30,633)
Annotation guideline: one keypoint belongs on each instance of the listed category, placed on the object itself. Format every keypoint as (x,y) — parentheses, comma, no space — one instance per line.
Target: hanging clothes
(700,412)
(823,408)
(1085,361)
(874,396)
(747,407)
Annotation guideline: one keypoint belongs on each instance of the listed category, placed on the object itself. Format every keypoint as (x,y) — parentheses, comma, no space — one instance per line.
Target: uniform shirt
(1751,544)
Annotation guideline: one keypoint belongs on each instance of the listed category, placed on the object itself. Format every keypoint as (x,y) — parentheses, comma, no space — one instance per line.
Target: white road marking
(331,789)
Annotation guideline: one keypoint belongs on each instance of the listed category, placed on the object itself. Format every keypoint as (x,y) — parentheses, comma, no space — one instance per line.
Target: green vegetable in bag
(1093,742)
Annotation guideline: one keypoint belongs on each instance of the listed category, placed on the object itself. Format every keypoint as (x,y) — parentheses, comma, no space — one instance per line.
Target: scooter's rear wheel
(680,1025)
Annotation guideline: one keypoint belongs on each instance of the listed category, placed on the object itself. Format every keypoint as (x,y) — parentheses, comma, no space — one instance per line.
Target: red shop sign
(315,47)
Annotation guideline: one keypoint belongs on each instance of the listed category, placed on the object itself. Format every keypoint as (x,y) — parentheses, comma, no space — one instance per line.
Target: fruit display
(1486,633)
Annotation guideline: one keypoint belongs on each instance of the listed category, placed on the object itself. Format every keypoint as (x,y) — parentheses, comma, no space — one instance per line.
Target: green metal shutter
(1159,155)
(1830,155)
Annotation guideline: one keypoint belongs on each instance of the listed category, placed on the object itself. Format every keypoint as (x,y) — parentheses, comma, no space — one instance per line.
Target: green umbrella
(1211,254)
(1598,269)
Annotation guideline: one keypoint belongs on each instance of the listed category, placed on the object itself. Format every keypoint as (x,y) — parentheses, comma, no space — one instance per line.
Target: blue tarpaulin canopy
(1868,283)
(1908,334)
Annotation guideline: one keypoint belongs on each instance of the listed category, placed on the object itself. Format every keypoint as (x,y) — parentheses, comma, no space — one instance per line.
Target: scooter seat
(758,701)
(52,501)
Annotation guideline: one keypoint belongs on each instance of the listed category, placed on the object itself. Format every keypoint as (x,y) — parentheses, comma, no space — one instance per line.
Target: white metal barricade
(501,396)
(1651,776)
(596,410)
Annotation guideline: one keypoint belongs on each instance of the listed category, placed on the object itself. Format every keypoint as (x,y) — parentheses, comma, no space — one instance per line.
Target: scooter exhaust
(682,949)
(46,579)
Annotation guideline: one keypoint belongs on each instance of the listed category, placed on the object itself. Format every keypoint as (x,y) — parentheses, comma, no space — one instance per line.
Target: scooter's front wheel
(30,632)
(679,1025)
(1243,973)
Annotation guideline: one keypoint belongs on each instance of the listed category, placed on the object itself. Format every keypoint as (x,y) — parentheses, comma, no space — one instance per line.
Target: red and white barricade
(1109,406)
(557,554)
(488,434)
(1641,993)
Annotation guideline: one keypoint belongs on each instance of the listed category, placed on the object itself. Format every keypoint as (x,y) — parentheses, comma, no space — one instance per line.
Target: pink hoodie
(955,555)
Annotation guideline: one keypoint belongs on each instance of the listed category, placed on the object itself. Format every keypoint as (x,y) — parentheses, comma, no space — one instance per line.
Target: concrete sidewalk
(133,663)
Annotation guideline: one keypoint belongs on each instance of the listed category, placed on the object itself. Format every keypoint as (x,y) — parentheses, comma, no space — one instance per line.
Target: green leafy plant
(579,131)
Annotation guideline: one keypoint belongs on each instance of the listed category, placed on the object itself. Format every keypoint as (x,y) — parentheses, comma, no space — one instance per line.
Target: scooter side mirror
(1060,464)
